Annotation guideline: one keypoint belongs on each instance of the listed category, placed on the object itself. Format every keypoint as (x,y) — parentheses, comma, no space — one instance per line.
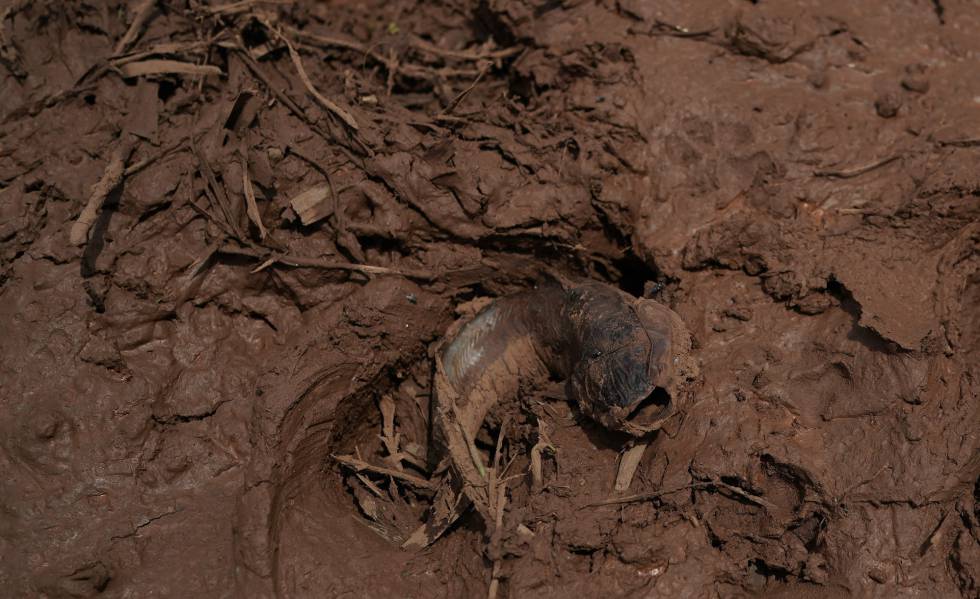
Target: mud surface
(798,181)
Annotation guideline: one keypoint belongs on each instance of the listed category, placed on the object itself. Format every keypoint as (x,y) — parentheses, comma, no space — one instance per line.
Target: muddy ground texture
(800,183)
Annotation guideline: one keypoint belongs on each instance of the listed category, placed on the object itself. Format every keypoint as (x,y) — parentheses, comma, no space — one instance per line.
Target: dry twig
(111,178)
(300,261)
(362,466)
(850,174)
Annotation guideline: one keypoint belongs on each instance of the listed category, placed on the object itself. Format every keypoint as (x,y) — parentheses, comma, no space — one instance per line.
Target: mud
(317,191)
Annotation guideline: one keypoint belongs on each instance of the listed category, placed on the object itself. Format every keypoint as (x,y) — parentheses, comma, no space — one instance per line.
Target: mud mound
(231,233)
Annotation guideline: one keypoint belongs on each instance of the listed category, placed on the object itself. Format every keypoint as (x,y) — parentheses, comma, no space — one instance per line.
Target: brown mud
(280,207)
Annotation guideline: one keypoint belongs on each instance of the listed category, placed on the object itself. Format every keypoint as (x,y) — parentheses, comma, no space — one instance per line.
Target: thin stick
(111,178)
(850,174)
(167,48)
(746,495)
(370,485)
(143,13)
(327,103)
(244,5)
(138,166)
(360,466)
(301,261)
(425,46)
(644,496)
(459,97)
(495,575)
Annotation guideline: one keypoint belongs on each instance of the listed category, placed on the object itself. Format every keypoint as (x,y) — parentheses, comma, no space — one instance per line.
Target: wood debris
(311,205)
(156,66)
(111,178)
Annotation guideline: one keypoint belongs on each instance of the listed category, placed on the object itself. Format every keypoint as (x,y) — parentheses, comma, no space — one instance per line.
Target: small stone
(817,78)
(915,79)
(916,83)
(887,105)
(878,575)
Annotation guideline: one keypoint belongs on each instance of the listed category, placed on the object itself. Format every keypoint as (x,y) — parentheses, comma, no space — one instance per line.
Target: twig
(300,261)
(360,466)
(299,112)
(236,7)
(459,97)
(960,143)
(138,166)
(431,48)
(746,495)
(370,485)
(644,496)
(678,31)
(850,174)
(327,103)
(391,63)
(274,89)
(143,13)
(111,178)
(160,49)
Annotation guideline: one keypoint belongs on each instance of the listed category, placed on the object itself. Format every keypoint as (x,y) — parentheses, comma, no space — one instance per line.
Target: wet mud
(233,234)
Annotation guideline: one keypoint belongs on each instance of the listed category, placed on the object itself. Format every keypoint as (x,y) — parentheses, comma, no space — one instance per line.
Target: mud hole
(310,193)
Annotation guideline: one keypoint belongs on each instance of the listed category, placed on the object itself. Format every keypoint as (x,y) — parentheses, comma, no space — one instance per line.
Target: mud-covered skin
(612,349)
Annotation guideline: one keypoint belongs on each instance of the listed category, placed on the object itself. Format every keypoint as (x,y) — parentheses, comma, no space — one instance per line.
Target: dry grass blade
(501,495)
(251,207)
(111,178)
(143,13)
(161,66)
(543,444)
(389,437)
(362,466)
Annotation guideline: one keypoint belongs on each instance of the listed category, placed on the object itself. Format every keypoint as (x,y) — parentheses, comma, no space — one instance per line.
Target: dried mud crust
(293,201)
